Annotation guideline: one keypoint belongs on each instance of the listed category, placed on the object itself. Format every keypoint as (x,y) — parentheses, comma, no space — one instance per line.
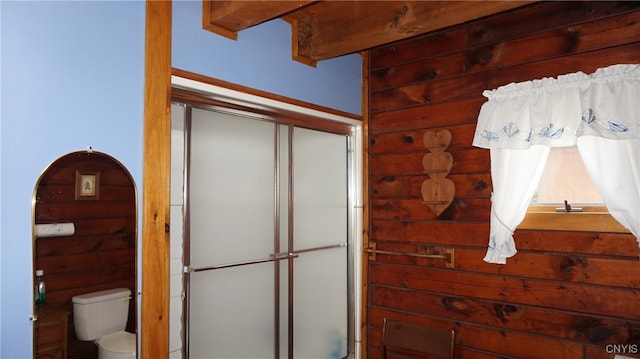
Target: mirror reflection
(84,232)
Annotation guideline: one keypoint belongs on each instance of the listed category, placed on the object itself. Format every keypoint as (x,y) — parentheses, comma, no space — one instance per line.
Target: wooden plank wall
(102,252)
(565,294)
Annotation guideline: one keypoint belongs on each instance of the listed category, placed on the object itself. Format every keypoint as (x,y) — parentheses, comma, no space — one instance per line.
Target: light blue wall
(261,58)
(72,76)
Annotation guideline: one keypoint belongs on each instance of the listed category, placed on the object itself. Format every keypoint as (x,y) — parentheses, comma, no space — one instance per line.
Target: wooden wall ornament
(437,142)
(437,191)
(437,167)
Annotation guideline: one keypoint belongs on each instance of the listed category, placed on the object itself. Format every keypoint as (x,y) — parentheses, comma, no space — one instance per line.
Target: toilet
(102,317)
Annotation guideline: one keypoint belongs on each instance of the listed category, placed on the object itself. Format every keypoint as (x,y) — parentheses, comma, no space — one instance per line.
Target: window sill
(592,219)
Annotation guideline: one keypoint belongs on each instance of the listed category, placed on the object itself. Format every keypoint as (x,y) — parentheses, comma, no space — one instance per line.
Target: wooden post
(154,329)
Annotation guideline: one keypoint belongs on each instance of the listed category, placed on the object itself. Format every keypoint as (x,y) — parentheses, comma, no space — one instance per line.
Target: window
(565,178)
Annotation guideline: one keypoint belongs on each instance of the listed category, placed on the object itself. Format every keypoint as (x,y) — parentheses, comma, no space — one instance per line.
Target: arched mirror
(85,243)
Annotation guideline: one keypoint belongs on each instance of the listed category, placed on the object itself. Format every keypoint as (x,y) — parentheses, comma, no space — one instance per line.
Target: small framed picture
(87,184)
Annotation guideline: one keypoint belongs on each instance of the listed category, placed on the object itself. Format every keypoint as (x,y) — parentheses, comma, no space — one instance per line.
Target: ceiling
(327,29)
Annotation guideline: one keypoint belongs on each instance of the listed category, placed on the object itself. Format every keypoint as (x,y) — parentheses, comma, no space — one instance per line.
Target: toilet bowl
(102,317)
(120,345)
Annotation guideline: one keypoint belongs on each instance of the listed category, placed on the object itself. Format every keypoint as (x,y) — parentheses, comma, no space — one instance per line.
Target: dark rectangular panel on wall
(565,294)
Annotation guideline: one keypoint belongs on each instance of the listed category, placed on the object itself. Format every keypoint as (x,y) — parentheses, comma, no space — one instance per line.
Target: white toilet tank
(100,313)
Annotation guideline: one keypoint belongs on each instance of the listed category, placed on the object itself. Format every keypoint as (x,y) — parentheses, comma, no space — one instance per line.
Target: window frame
(591,219)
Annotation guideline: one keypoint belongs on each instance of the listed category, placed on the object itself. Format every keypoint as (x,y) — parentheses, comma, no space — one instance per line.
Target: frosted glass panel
(232,313)
(320,297)
(231,188)
(320,188)
(284,310)
(320,219)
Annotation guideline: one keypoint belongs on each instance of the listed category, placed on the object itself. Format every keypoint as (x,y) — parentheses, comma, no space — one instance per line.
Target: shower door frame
(211,97)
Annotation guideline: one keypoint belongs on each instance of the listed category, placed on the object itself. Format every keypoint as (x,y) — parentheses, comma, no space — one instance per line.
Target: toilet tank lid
(101,296)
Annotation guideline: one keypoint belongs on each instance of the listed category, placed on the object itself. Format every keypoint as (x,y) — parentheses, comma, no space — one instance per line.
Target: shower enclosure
(269,237)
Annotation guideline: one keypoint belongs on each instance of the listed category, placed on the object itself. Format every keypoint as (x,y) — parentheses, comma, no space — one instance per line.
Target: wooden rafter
(327,29)
(227,18)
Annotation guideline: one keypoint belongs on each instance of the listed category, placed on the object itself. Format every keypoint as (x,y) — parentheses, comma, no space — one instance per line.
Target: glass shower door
(268,255)
(320,238)
(231,211)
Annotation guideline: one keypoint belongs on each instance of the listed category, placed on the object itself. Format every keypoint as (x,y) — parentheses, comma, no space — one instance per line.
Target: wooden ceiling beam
(329,29)
(332,28)
(227,18)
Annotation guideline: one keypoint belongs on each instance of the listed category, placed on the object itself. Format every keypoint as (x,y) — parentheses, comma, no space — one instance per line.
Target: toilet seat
(117,345)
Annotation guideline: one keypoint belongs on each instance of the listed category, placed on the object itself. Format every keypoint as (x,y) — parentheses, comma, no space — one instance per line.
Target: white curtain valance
(556,111)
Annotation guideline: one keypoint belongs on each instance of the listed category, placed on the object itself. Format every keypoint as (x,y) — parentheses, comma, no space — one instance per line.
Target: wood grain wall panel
(506,317)
(500,28)
(615,272)
(444,232)
(421,71)
(83,244)
(579,38)
(565,294)
(67,264)
(559,295)
(439,42)
(579,269)
(517,344)
(466,87)
(467,185)
(426,93)
(577,243)
(559,15)
(607,244)
(90,210)
(427,117)
(470,353)
(461,209)
(472,160)
(406,141)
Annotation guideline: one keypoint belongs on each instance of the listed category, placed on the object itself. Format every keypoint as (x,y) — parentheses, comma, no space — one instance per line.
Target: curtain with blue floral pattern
(599,113)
